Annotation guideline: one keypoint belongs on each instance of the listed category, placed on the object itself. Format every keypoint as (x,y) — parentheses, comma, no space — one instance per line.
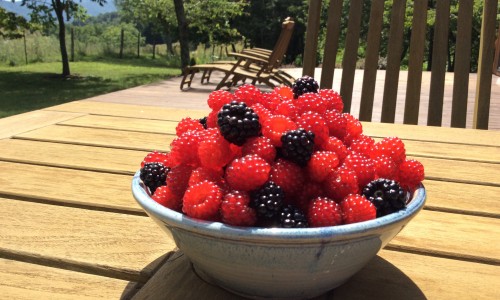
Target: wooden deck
(167,94)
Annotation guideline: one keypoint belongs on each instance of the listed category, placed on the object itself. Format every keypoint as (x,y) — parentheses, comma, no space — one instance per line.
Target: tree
(42,13)
(12,26)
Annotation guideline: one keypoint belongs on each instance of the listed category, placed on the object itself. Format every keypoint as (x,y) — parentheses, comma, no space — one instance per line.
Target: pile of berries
(287,158)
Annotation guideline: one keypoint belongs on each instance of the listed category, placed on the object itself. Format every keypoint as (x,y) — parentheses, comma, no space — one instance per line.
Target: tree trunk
(183,33)
(59,10)
(168,41)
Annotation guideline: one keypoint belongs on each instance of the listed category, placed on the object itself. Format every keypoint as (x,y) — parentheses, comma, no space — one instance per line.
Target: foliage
(11,25)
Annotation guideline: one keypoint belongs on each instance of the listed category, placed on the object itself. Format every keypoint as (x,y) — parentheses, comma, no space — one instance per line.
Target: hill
(93,9)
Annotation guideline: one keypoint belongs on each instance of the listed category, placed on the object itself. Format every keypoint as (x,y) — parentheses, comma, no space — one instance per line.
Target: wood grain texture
(427,133)
(311,42)
(452,235)
(100,159)
(394,51)
(371,60)
(351,52)
(461,171)
(115,245)
(32,120)
(58,284)
(331,43)
(462,64)
(129,110)
(100,138)
(416,59)
(439,59)
(68,187)
(390,275)
(462,198)
(123,123)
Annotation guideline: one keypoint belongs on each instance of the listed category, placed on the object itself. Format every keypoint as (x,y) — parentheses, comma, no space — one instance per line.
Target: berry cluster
(287,158)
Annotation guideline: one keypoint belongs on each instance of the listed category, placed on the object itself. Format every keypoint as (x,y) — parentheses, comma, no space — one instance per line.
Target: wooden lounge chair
(258,65)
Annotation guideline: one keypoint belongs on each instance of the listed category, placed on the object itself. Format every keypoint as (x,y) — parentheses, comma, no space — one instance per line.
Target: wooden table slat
(100,138)
(132,111)
(54,283)
(124,246)
(69,187)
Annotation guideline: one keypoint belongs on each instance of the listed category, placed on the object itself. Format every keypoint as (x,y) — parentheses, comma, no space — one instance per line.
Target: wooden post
(138,44)
(25,50)
(484,77)
(312,31)
(121,43)
(154,49)
(496,60)
(72,44)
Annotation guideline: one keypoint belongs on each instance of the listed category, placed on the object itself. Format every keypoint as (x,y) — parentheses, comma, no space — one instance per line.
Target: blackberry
(268,200)
(203,121)
(237,122)
(305,84)
(292,217)
(387,196)
(154,175)
(297,146)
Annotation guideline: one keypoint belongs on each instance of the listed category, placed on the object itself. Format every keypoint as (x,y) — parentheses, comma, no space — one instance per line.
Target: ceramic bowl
(277,262)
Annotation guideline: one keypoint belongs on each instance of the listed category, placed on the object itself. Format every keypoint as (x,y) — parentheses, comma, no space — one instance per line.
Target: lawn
(36,86)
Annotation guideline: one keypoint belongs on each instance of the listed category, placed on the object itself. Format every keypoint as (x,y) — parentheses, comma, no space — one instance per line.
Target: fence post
(121,43)
(72,44)
(25,50)
(312,31)
(138,44)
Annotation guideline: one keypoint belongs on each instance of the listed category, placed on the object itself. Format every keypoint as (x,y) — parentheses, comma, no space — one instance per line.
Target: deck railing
(416,56)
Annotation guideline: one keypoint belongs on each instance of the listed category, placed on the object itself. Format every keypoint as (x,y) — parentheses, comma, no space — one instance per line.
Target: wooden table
(70,229)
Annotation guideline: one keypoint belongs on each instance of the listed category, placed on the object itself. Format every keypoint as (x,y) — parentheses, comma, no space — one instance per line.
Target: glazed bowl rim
(178,220)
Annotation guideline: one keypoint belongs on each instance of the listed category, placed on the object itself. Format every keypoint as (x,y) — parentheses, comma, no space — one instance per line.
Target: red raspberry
(336,123)
(212,119)
(235,209)
(288,176)
(164,196)
(333,100)
(184,149)
(353,128)
(262,112)
(218,98)
(313,121)
(285,92)
(269,100)
(275,127)
(287,108)
(341,183)
(363,145)
(202,201)
(205,174)
(410,174)
(392,147)
(335,145)
(247,173)
(260,146)
(156,156)
(308,192)
(188,124)
(178,179)
(385,167)
(247,93)
(311,102)
(214,152)
(356,208)
(321,164)
(324,212)
(362,166)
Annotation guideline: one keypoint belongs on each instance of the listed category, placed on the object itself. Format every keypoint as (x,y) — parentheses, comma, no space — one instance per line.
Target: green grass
(35,86)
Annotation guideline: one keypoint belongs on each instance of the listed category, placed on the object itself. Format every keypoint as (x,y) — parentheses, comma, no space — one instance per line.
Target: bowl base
(208,279)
